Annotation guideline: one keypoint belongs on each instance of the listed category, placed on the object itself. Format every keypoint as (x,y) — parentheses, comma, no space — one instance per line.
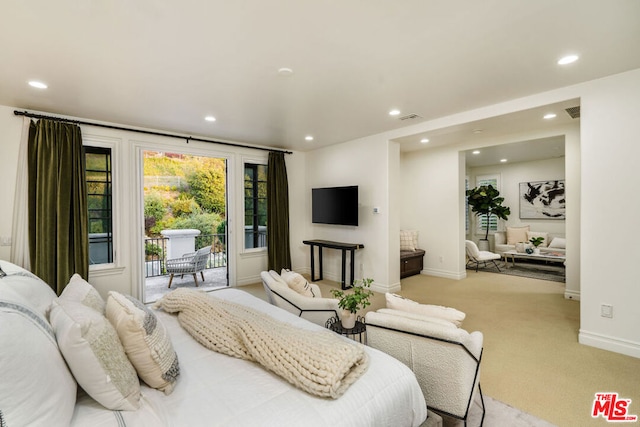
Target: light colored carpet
(532,360)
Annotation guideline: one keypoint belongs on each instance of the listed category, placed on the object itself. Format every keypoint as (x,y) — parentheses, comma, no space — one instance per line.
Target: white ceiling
(167,64)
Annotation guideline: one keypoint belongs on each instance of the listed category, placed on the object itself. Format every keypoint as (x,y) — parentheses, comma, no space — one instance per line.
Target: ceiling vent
(574,112)
(410,117)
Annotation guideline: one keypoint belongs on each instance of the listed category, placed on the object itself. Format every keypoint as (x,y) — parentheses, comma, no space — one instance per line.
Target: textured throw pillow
(517,234)
(404,304)
(545,236)
(297,282)
(558,243)
(93,351)
(145,341)
(79,290)
(408,240)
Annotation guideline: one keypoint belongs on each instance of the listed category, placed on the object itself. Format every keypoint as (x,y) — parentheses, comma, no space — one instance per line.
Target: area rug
(497,414)
(554,273)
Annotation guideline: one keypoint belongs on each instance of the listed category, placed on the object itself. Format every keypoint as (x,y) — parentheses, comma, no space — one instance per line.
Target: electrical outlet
(5,241)
(441,259)
(606,310)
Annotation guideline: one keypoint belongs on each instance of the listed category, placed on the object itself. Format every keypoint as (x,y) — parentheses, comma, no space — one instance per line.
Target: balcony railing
(155,250)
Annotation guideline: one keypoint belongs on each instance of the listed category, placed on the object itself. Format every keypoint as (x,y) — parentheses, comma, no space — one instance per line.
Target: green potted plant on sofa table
(486,201)
(350,301)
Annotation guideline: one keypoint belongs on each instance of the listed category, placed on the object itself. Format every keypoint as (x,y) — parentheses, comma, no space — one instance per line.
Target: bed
(217,390)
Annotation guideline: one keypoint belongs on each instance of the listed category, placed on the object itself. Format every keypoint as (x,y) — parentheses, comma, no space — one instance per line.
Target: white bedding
(218,390)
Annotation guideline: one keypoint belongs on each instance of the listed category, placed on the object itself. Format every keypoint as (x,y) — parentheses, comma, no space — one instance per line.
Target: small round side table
(357,333)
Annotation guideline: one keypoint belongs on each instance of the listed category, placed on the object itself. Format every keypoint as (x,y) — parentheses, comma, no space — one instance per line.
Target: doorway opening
(185,209)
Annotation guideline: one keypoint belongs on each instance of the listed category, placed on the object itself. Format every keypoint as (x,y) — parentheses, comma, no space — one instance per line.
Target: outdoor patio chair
(191,263)
(477,256)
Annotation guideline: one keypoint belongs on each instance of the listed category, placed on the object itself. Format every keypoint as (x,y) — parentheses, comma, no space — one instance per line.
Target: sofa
(305,302)
(431,342)
(43,384)
(506,240)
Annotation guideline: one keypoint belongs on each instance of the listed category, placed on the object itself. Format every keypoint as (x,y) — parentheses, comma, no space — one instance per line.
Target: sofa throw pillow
(558,243)
(517,234)
(297,282)
(79,290)
(408,240)
(545,236)
(145,341)
(92,349)
(404,304)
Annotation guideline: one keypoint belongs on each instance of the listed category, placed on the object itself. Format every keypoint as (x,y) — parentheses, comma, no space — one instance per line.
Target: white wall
(432,201)
(600,240)
(370,164)
(610,151)
(127,276)
(511,175)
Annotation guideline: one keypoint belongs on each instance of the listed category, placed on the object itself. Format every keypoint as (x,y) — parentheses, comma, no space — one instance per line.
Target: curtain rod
(148,132)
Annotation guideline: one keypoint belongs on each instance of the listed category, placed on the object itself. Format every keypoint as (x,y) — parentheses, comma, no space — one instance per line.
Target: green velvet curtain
(278,246)
(58,213)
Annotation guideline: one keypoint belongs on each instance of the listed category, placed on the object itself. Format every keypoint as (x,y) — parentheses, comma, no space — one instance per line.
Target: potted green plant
(536,241)
(351,302)
(486,201)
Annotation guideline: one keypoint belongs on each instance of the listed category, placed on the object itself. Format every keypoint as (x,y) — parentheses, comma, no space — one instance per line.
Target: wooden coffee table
(541,257)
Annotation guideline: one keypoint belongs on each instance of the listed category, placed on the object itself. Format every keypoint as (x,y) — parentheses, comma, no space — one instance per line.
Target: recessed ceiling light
(394,112)
(503,160)
(475,152)
(567,59)
(308,138)
(424,140)
(210,119)
(478,130)
(549,116)
(285,71)
(37,84)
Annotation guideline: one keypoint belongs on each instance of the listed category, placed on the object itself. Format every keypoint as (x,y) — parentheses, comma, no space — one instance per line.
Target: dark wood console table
(344,247)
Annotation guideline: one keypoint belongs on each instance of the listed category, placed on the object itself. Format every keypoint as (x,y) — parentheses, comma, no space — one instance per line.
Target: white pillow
(408,240)
(297,282)
(447,313)
(36,386)
(29,286)
(558,243)
(517,234)
(91,347)
(145,341)
(545,236)
(79,290)
(416,316)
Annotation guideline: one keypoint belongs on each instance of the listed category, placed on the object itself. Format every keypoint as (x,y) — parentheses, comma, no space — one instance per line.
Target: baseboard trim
(605,342)
(444,273)
(573,295)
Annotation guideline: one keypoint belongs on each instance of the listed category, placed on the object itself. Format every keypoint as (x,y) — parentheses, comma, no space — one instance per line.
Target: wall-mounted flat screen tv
(335,205)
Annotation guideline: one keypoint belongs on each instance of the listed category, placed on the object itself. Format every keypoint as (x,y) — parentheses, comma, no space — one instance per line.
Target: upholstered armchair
(476,256)
(315,308)
(445,358)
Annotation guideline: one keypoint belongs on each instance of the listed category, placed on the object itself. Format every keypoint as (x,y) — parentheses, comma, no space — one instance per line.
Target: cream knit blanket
(318,362)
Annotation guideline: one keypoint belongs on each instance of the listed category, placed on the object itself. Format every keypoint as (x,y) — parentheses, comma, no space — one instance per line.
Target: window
(99,198)
(255,206)
(493,180)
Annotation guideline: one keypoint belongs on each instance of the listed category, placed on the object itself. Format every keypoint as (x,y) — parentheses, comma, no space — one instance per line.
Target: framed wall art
(542,200)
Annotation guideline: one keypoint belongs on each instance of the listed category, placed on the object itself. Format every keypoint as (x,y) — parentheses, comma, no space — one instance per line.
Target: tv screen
(335,205)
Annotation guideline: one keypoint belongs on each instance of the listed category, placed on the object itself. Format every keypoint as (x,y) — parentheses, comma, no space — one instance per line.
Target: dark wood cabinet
(411,262)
